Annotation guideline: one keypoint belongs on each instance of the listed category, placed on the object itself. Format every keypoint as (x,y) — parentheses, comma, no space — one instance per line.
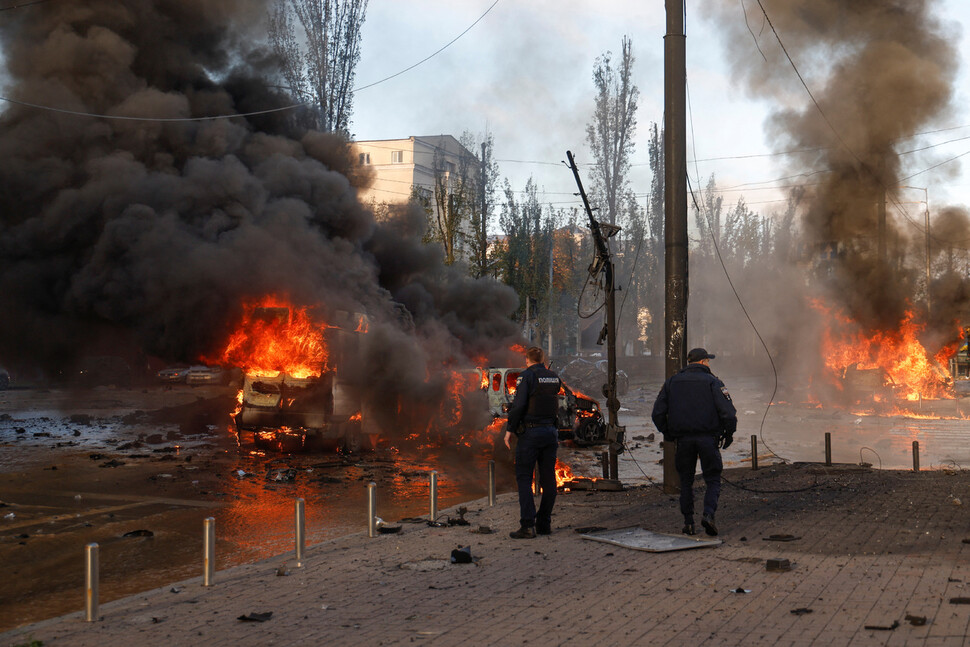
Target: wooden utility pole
(481,181)
(675,207)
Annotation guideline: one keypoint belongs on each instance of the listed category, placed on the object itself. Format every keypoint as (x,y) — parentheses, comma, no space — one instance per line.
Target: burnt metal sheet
(654,542)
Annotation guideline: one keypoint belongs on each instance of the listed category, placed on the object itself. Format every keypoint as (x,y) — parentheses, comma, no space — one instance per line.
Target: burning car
(579,418)
(293,394)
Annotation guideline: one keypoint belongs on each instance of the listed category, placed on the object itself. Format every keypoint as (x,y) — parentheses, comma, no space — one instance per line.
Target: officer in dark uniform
(695,409)
(532,417)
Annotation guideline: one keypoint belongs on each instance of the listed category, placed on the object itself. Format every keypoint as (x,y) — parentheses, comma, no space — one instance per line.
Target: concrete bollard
(491,484)
(828,449)
(372,509)
(91,583)
(915,455)
(209,551)
(434,496)
(754,452)
(300,519)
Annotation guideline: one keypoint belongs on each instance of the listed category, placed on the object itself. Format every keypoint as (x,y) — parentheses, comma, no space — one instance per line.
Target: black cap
(697,354)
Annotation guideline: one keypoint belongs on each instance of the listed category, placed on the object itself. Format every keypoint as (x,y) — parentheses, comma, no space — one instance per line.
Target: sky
(524,74)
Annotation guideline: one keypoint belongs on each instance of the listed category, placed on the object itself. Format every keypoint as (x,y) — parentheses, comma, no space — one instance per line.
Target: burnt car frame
(579,417)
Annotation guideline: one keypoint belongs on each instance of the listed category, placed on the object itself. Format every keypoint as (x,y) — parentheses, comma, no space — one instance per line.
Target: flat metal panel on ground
(638,538)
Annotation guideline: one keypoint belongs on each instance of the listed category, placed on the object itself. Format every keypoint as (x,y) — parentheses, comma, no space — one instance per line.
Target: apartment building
(400,164)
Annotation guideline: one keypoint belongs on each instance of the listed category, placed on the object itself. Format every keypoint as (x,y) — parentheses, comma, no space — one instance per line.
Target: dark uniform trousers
(689,449)
(536,446)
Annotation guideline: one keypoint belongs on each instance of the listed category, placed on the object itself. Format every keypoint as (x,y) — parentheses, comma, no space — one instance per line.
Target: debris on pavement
(257,617)
(462,555)
(801,611)
(460,521)
(916,621)
(139,533)
(778,565)
(780,538)
(891,627)
(284,475)
(587,529)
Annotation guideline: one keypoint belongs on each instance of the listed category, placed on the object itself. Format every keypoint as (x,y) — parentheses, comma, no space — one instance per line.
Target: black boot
(688,527)
(525,532)
(708,522)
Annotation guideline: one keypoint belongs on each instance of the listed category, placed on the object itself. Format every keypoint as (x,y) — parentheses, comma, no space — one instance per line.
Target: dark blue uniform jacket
(536,399)
(694,402)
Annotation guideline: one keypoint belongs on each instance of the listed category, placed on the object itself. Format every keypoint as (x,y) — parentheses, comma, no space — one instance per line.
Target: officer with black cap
(532,417)
(695,409)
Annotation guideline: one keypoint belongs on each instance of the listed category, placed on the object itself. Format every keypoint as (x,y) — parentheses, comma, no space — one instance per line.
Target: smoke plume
(880,71)
(150,235)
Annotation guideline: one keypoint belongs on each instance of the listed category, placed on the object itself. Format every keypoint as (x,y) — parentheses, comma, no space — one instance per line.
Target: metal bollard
(915,455)
(91,583)
(209,551)
(614,464)
(491,483)
(605,458)
(300,530)
(828,449)
(434,496)
(754,452)
(372,509)
(535,482)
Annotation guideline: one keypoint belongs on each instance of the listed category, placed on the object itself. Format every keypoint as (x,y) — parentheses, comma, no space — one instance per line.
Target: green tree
(455,198)
(611,132)
(318,61)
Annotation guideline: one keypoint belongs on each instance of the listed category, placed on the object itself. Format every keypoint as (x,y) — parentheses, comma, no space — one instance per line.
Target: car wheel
(587,433)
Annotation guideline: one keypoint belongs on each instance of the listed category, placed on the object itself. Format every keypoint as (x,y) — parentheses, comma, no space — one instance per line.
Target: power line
(80,113)
(23,4)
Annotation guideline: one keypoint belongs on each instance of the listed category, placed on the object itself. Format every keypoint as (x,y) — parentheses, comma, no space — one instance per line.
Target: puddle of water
(46,460)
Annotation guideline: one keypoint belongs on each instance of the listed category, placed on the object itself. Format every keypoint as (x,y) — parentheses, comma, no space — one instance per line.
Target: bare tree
(610,134)
(482,203)
(455,196)
(319,60)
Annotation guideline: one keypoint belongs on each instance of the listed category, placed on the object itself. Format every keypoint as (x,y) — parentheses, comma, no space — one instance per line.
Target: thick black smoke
(150,235)
(879,72)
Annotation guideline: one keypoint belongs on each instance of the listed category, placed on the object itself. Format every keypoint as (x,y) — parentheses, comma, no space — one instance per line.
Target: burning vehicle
(293,395)
(579,418)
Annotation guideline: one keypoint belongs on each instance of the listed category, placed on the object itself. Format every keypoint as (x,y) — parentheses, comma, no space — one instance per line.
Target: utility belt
(535,425)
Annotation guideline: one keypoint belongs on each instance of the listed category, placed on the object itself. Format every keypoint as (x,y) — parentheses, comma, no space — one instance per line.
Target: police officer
(532,417)
(695,409)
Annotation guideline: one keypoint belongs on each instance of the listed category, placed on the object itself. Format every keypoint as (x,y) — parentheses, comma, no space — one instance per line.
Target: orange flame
(905,363)
(276,337)
(563,473)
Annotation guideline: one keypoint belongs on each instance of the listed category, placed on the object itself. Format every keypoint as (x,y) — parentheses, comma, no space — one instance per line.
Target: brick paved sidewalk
(873,547)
